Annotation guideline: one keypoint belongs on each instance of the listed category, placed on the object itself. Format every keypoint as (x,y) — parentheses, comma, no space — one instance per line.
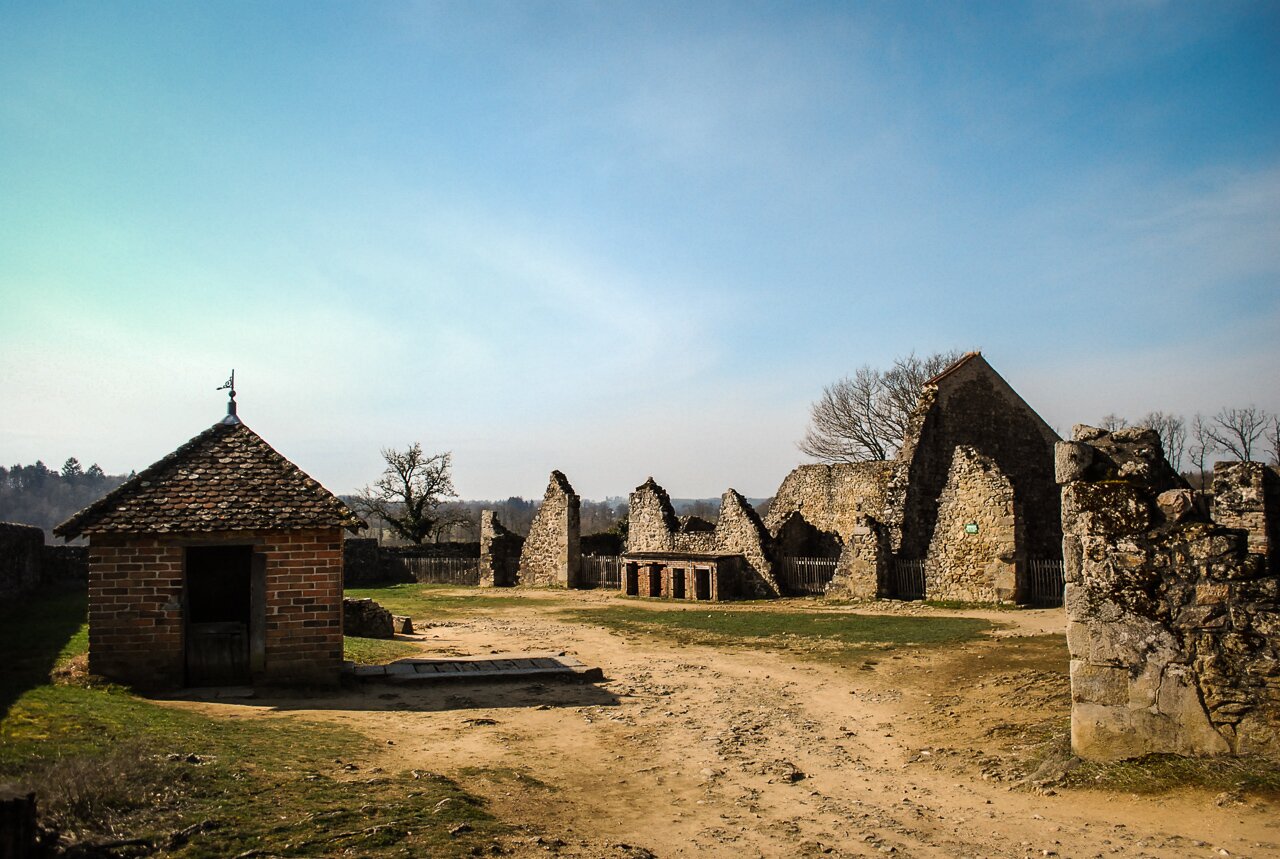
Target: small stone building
(691,559)
(220,564)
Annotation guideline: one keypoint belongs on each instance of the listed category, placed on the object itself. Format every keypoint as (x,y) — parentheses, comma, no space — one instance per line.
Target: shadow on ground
(35,630)
(550,693)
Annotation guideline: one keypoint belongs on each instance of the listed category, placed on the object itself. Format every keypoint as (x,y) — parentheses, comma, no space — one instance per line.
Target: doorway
(218,604)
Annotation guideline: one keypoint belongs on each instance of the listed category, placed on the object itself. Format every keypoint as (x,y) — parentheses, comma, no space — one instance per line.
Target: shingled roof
(225,479)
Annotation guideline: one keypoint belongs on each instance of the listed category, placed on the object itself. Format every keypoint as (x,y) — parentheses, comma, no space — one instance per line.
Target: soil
(694,750)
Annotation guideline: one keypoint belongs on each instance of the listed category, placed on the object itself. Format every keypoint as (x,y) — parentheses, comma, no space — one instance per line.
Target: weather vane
(230,385)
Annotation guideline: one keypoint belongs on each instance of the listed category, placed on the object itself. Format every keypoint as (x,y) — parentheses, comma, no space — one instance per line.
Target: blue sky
(620,239)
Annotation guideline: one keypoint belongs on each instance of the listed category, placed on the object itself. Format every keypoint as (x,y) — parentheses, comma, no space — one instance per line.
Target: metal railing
(1045,583)
(906,579)
(601,571)
(805,576)
(444,571)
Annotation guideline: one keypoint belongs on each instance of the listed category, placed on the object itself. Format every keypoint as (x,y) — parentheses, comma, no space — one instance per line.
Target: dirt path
(701,751)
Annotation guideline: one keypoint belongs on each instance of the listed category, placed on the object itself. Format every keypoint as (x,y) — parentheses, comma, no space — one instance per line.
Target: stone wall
(1247,495)
(863,566)
(694,534)
(360,562)
(970,404)
(551,556)
(976,548)
(651,520)
(1173,625)
(832,498)
(499,552)
(739,531)
(21,549)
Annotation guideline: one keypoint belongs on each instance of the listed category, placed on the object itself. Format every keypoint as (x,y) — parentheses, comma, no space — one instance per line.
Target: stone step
(474,669)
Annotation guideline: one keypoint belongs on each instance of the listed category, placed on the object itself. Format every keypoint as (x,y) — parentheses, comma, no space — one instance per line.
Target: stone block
(1070,461)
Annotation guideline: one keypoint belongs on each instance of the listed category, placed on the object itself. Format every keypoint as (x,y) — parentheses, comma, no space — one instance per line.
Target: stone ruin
(689,558)
(1173,616)
(970,497)
(551,555)
(499,552)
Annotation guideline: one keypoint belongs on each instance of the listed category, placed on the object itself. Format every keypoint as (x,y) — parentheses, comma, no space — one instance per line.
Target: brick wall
(135,605)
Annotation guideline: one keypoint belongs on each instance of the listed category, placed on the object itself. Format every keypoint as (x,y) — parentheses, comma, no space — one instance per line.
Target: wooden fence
(601,571)
(805,576)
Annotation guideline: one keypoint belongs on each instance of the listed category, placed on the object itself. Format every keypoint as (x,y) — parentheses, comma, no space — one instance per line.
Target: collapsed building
(967,510)
(689,557)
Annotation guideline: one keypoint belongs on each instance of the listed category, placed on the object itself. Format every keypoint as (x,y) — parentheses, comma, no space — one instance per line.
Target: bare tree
(1202,447)
(1172,430)
(1236,431)
(409,495)
(1112,422)
(1273,439)
(864,417)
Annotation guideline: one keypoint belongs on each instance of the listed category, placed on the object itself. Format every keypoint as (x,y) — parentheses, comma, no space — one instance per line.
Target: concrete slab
(475,668)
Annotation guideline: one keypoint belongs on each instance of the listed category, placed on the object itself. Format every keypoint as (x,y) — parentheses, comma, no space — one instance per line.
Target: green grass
(825,635)
(433,603)
(107,764)
(376,651)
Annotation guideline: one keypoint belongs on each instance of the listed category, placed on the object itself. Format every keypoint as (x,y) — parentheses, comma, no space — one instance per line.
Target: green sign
(971,527)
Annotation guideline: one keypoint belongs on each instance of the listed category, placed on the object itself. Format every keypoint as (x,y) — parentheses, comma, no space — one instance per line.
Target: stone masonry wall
(135,606)
(20,558)
(1173,625)
(499,552)
(863,566)
(972,405)
(1247,495)
(833,498)
(739,531)
(651,520)
(552,555)
(976,547)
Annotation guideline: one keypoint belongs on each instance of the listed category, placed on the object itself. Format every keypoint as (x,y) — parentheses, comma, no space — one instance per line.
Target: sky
(620,240)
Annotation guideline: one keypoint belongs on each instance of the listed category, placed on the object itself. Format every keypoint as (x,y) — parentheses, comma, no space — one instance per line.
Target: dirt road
(701,751)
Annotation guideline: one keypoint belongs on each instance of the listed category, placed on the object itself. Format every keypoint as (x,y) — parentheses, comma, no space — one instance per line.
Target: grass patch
(432,603)
(107,765)
(823,635)
(957,605)
(376,651)
(1154,774)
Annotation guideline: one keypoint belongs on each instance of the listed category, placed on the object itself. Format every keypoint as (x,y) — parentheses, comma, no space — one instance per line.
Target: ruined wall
(499,552)
(1173,625)
(20,558)
(552,554)
(863,566)
(972,405)
(694,534)
(976,547)
(651,520)
(832,497)
(1247,495)
(739,531)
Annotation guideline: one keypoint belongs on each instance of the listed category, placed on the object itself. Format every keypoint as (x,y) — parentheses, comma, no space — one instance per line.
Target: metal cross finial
(230,385)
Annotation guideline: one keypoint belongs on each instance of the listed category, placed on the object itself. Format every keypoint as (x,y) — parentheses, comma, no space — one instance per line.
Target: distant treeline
(39,495)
